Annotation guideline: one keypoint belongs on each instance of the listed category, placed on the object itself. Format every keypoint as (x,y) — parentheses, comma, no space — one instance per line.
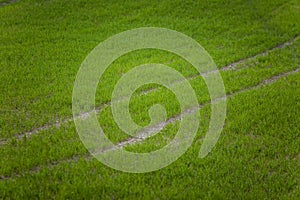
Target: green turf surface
(42,46)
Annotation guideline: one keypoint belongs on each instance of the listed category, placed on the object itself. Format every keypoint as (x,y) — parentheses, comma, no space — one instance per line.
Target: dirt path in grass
(135,140)
(143,135)
(231,66)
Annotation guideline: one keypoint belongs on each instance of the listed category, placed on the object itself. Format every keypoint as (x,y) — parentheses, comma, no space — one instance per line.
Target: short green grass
(42,46)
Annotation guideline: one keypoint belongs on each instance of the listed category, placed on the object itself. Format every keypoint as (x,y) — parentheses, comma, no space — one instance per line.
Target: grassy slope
(256,157)
(63,142)
(43,44)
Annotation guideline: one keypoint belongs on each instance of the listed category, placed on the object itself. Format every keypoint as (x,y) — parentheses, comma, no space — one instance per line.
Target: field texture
(254,43)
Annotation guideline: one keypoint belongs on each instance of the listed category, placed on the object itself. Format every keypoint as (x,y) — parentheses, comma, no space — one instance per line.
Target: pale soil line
(143,135)
(135,140)
(36,169)
(8,2)
(231,66)
(58,124)
(264,53)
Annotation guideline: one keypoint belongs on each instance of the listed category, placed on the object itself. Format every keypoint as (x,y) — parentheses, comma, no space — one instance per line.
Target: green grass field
(254,43)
